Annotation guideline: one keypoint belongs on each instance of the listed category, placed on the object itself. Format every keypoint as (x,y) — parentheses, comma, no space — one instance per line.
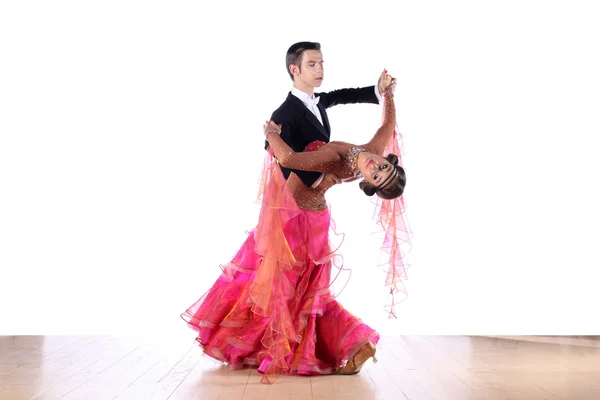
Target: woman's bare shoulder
(338,143)
(339,147)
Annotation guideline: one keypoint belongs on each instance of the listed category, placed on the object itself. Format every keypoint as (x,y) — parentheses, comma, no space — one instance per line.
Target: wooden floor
(408,367)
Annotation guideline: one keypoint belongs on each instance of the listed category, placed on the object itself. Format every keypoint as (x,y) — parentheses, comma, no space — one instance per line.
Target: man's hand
(328,181)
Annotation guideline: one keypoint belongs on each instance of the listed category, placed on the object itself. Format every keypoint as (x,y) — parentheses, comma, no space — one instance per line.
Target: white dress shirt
(311,104)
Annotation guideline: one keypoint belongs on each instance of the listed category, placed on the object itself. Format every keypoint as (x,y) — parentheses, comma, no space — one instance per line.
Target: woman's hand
(271,127)
(385,83)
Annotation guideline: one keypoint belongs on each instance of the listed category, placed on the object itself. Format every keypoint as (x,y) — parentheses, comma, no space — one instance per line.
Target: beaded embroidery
(352,159)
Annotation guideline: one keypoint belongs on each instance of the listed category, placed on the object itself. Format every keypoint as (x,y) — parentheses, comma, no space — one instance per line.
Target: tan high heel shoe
(354,366)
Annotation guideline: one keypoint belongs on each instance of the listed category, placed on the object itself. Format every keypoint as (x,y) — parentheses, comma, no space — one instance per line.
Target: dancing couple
(272,305)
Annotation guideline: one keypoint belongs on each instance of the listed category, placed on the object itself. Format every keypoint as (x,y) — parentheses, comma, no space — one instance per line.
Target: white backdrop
(131,147)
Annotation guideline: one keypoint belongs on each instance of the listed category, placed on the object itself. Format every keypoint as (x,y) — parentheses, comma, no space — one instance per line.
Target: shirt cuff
(379,97)
(318,181)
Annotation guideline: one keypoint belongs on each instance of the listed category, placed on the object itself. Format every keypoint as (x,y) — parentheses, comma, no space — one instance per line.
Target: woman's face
(374,168)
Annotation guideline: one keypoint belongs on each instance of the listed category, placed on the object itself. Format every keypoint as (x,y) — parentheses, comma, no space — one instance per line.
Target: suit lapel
(325,119)
(310,116)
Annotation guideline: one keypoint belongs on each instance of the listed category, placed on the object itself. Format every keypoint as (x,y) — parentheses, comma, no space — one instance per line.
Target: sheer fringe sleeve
(391,216)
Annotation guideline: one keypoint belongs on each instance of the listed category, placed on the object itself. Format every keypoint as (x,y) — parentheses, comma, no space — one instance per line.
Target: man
(303,114)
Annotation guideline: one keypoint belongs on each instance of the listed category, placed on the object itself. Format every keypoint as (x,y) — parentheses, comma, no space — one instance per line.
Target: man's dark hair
(295,53)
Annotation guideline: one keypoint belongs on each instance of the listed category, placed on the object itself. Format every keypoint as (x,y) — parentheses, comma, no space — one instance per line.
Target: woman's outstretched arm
(322,160)
(377,144)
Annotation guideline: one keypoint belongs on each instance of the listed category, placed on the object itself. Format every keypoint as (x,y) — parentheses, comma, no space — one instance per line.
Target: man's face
(311,74)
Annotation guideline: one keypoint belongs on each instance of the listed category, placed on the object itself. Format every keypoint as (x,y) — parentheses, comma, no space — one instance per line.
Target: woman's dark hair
(295,53)
(393,189)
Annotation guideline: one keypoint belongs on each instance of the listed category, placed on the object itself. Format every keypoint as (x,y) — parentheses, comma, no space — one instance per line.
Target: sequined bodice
(313,199)
(306,198)
(352,160)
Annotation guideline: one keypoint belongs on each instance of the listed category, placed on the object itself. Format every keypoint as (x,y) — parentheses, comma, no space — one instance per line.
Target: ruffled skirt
(284,319)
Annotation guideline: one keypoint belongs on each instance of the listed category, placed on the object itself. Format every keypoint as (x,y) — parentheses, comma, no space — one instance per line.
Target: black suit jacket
(300,127)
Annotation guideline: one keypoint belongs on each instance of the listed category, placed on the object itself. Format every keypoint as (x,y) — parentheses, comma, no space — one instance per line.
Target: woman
(272,306)
(382,176)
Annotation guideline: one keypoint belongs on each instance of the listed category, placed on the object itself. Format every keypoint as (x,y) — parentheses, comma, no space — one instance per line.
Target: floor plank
(407,368)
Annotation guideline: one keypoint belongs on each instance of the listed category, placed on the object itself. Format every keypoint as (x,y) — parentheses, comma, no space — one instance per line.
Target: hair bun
(392,158)
(367,188)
